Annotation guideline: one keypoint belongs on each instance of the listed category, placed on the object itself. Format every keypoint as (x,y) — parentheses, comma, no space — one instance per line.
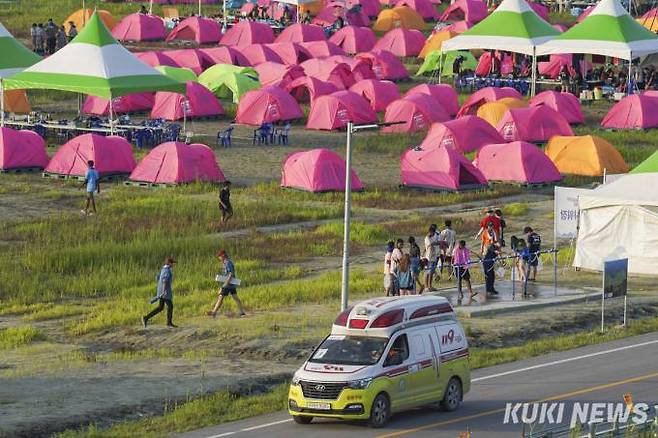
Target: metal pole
(224,28)
(2,104)
(440,66)
(199,8)
(625,308)
(513,279)
(554,243)
(346,233)
(151,7)
(603,309)
(533,75)
(111,117)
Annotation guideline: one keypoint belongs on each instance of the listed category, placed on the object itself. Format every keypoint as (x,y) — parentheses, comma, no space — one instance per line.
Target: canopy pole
(224,17)
(84,13)
(533,76)
(441,66)
(151,7)
(2,104)
(199,8)
(628,79)
(111,117)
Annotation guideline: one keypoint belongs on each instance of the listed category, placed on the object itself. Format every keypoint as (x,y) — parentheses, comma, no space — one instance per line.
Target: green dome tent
(650,165)
(432,61)
(229,81)
(180,74)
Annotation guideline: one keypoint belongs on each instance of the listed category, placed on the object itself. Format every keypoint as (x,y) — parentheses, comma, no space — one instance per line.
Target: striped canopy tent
(514,27)
(608,30)
(15,58)
(94,63)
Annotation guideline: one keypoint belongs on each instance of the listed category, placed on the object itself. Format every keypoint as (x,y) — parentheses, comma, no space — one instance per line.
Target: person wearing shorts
(534,247)
(432,255)
(414,257)
(227,288)
(92,183)
(461,260)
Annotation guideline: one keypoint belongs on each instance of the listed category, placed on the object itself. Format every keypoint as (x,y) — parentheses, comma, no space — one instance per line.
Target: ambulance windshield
(350,350)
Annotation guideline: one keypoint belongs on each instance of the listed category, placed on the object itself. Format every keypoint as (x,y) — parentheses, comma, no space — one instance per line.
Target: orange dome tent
(493,112)
(16,102)
(402,16)
(80,16)
(585,155)
(434,42)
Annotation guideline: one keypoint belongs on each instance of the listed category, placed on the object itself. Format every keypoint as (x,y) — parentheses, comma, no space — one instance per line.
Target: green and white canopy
(514,26)
(608,30)
(94,63)
(14,57)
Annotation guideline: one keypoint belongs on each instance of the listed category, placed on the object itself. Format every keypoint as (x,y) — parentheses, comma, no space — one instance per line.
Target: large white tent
(620,220)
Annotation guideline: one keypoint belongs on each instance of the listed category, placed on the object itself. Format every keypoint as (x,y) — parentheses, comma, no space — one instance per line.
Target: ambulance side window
(399,352)
(418,345)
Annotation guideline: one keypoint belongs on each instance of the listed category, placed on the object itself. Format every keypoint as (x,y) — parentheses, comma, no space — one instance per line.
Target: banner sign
(566,211)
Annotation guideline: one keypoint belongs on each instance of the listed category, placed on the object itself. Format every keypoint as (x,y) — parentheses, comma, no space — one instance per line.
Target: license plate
(322,406)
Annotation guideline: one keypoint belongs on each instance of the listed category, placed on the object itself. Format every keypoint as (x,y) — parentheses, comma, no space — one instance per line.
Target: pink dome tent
(290,53)
(443,94)
(194,59)
(306,89)
(225,55)
(378,93)
(259,53)
(335,110)
(111,155)
(385,65)
(198,29)
(442,168)
(247,32)
(21,150)
(155,59)
(425,8)
(458,26)
(566,104)
(588,10)
(417,111)
(540,9)
(140,27)
(633,112)
(466,134)
(354,39)
(360,69)
(402,42)
(130,103)
(328,16)
(472,11)
(200,103)
(326,70)
(278,75)
(317,170)
(484,95)
(267,105)
(299,33)
(553,67)
(517,162)
(370,8)
(322,49)
(534,124)
(178,163)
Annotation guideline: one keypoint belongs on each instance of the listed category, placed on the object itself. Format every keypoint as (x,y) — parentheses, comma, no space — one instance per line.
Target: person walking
(225,206)
(165,294)
(498,213)
(414,259)
(405,276)
(228,287)
(488,265)
(461,263)
(490,217)
(489,237)
(92,182)
(432,255)
(534,247)
(389,277)
(449,237)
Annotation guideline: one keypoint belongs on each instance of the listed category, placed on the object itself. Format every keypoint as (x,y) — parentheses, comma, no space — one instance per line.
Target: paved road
(602,373)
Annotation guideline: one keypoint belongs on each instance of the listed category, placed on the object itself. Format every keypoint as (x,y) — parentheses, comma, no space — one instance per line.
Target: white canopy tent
(620,220)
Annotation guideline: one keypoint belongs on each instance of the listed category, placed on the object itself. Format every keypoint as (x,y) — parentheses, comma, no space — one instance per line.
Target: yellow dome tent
(493,112)
(585,155)
(402,16)
(434,42)
(79,16)
(16,102)
(649,23)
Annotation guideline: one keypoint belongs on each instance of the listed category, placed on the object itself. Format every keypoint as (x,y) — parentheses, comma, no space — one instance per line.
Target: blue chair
(224,137)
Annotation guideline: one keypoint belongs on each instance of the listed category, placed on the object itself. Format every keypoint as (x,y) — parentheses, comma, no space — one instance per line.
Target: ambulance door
(452,346)
(423,375)
(396,368)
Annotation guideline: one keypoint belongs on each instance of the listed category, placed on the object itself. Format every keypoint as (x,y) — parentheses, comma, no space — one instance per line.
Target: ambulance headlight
(359,384)
(295,380)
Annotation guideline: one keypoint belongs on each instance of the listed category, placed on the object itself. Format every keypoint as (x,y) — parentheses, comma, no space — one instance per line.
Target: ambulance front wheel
(453,395)
(302,419)
(380,411)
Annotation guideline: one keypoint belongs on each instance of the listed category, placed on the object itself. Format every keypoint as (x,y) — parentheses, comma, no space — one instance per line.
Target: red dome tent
(359,68)
(402,42)
(155,59)
(417,111)
(466,134)
(335,110)
(354,39)
(21,149)
(317,170)
(177,163)
(532,124)
(290,53)
(484,95)
(267,105)
(442,93)
(140,27)
(566,104)
(425,8)
(111,155)
(247,32)
(299,33)
(385,65)
(633,112)
(225,55)
(326,70)
(517,162)
(472,11)
(194,59)
(259,53)
(322,49)
(120,105)
(199,29)
(442,168)
(378,93)
(306,88)
(278,75)
(173,106)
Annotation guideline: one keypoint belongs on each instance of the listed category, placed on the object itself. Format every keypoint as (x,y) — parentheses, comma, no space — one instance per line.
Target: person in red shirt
(490,217)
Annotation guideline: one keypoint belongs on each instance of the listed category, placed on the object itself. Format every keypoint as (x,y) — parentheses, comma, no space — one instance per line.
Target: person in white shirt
(448,237)
(431,254)
(388,272)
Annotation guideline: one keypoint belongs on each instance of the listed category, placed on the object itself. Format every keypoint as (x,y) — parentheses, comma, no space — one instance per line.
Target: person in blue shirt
(92,182)
(227,287)
(164,293)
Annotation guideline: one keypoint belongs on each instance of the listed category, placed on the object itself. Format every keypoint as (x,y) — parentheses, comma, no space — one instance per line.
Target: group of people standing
(49,38)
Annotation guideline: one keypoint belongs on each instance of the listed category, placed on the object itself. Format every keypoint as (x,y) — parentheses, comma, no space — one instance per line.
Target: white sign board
(566,211)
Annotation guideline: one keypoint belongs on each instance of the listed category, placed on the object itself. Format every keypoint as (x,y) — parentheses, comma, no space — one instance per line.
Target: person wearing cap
(227,287)
(225,202)
(92,181)
(165,294)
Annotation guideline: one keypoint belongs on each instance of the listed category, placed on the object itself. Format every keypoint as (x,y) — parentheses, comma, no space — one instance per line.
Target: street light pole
(344,292)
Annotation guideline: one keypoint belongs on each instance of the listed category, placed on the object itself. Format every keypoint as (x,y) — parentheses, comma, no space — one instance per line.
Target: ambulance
(383,356)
